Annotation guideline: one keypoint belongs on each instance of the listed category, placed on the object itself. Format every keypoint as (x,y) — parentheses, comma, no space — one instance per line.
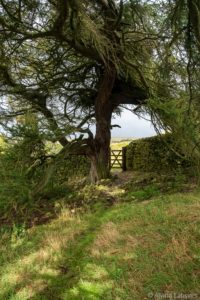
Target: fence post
(110,158)
(124,158)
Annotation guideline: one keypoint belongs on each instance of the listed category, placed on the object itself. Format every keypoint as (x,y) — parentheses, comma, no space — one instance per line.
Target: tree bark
(100,162)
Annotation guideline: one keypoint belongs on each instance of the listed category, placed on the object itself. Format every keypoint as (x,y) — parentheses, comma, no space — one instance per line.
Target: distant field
(121,139)
(118,143)
(52,148)
(2,142)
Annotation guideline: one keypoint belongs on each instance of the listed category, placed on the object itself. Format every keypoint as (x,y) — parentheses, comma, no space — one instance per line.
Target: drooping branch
(37,101)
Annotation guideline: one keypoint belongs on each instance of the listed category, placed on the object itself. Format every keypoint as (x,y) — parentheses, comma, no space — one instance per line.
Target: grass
(146,245)
(126,251)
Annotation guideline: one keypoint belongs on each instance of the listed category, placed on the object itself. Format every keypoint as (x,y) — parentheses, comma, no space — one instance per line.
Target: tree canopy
(76,63)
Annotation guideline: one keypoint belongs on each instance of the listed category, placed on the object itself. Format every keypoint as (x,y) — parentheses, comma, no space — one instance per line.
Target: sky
(132,126)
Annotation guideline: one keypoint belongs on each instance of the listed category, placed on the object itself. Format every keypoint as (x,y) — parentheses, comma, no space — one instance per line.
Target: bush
(155,154)
(29,174)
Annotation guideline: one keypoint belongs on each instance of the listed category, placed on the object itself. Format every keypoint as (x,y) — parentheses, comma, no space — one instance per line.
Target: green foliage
(182,120)
(28,173)
(144,186)
(146,193)
(71,166)
(159,153)
(131,47)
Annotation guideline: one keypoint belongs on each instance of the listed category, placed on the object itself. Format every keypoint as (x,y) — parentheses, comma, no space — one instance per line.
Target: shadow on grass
(34,211)
(71,266)
(67,282)
(152,252)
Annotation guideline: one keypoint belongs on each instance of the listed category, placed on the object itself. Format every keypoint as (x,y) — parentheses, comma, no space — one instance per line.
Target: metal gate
(118,159)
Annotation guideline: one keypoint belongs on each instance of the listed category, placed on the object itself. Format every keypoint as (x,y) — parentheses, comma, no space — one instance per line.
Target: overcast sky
(132,126)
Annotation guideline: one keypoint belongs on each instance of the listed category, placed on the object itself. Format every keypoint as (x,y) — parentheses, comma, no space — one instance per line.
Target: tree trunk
(100,162)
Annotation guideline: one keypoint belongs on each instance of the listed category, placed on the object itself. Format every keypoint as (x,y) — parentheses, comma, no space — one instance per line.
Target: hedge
(154,154)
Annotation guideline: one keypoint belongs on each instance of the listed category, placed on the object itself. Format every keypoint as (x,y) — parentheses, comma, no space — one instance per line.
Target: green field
(119,143)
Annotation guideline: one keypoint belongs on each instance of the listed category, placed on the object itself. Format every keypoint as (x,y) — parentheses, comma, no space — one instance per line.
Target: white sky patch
(132,126)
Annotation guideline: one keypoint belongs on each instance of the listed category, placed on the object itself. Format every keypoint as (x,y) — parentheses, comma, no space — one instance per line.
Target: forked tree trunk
(100,161)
